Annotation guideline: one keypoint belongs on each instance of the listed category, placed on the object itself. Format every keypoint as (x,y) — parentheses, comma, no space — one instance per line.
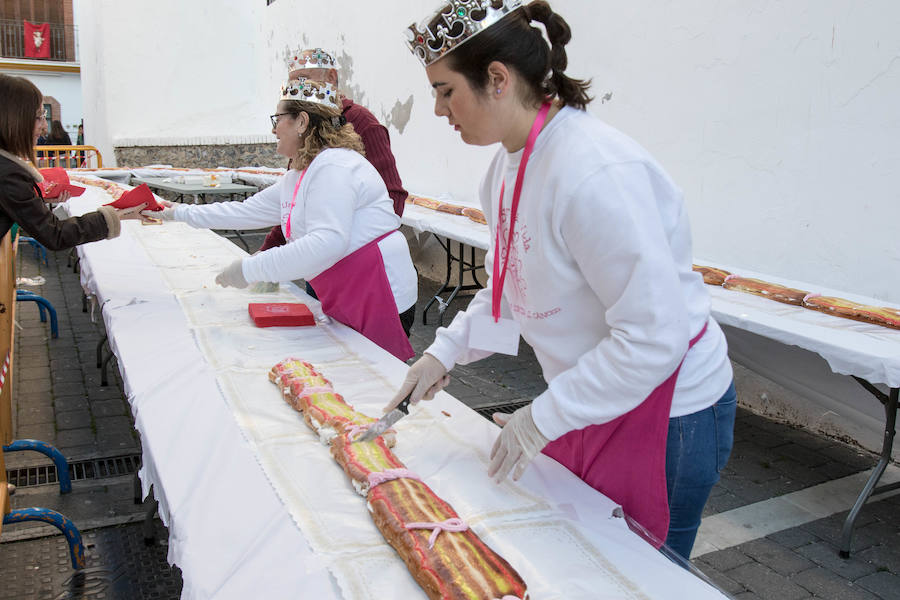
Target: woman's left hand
(233,275)
(518,444)
(63,197)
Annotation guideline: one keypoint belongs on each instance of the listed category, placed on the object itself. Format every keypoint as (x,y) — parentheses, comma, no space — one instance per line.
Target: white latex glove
(516,446)
(166,214)
(425,378)
(233,275)
(130,213)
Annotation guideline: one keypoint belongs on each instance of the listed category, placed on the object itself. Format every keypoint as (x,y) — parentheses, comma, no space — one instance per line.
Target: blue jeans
(697,449)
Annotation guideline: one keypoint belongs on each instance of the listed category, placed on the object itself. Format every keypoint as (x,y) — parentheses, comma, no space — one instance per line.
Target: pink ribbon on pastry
(354,431)
(322,389)
(454,524)
(730,276)
(808,296)
(379,477)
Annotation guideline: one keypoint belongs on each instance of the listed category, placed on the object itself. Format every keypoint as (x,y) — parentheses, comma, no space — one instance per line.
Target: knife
(385,422)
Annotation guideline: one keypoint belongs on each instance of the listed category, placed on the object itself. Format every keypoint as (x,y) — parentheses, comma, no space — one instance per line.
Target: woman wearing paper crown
(591,260)
(336,214)
(21,199)
(316,64)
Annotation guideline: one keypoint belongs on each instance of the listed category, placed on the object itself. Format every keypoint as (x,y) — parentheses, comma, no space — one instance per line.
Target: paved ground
(59,399)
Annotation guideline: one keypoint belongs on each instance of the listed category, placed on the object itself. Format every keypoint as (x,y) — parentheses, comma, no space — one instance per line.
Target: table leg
(890,411)
(437,296)
(237,232)
(465,266)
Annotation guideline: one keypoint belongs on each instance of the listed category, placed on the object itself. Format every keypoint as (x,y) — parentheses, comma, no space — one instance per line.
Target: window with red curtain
(37,40)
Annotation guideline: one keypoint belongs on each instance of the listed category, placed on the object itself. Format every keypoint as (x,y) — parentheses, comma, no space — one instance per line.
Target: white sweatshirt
(599,279)
(342,204)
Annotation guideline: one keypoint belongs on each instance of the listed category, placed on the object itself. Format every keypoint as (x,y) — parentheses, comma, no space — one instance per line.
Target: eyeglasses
(274,118)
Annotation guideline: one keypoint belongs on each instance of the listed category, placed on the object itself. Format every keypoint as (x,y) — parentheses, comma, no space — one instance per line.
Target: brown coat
(21,202)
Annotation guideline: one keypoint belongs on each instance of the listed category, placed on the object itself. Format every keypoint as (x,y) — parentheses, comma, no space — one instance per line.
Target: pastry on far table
(772,291)
(453,209)
(712,275)
(475,214)
(426,202)
(877,315)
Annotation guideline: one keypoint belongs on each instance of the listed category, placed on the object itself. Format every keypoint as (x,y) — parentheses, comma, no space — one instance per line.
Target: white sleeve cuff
(445,350)
(545,417)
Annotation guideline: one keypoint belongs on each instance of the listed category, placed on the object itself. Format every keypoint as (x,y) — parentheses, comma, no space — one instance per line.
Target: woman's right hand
(130,213)
(166,214)
(425,378)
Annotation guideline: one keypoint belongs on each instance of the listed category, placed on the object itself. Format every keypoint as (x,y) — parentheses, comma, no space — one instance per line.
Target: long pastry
(712,275)
(877,315)
(443,555)
(475,214)
(453,209)
(773,291)
(426,202)
(324,410)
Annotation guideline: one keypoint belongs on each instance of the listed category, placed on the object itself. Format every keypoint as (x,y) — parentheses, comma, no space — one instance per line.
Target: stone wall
(201,156)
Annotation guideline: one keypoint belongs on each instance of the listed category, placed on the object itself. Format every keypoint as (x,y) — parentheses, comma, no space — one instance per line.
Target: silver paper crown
(314,58)
(307,90)
(455,22)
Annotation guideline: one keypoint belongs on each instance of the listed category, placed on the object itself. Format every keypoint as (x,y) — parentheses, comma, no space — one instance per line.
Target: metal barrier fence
(68,157)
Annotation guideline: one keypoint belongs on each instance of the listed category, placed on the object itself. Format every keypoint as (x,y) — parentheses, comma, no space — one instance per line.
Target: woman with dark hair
(335,212)
(21,201)
(58,135)
(591,261)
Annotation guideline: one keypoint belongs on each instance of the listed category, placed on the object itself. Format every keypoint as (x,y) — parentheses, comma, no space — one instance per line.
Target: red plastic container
(280,314)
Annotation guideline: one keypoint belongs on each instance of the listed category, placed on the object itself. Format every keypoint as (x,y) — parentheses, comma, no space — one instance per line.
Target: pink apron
(356,292)
(625,459)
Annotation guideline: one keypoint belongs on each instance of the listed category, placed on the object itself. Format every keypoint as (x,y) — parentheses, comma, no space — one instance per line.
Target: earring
(498,90)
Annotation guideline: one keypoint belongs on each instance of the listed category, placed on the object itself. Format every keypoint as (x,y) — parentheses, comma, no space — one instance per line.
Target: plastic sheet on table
(260,409)
(177,239)
(249,347)
(225,306)
(376,574)
(571,566)
(190,280)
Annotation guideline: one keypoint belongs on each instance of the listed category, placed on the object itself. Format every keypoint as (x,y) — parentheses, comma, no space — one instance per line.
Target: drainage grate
(96,468)
(504,407)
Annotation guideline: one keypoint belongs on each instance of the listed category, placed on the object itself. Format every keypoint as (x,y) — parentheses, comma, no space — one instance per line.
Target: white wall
(171,72)
(778,119)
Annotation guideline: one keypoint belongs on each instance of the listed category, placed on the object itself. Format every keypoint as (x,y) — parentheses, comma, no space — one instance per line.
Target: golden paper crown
(454,23)
(307,90)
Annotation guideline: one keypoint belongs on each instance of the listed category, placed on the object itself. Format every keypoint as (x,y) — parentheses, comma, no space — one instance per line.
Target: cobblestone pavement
(58,398)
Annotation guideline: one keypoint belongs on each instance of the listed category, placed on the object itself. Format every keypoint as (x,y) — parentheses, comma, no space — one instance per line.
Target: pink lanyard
(287,225)
(499,276)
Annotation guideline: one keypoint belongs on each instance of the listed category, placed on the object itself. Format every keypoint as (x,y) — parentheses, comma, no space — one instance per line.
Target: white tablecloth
(850,347)
(812,354)
(455,227)
(261,177)
(243,484)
